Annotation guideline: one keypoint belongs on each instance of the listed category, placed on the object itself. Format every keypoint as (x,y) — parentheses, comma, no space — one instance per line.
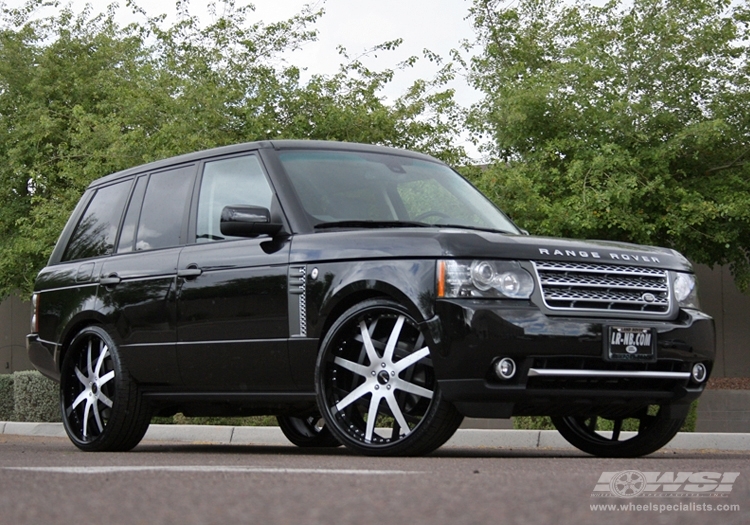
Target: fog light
(699,372)
(505,368)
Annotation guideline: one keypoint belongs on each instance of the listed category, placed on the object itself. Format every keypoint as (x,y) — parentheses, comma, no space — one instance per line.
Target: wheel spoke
(99,362)
(104,399)
(81,397)
(105,378)
(616,429)
(409,360)
(397,414)
(372,416)
(372,355)
(393,339)
(89,364)
(97,417)
(354,395)
(411,388)
(86,413)
(82,378)
(591,426)
(352,366)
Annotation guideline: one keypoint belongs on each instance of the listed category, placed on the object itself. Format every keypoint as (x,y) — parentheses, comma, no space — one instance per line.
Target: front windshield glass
(343,186)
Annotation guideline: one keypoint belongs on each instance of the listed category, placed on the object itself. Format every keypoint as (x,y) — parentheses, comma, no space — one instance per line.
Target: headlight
(488,279)
(686,290)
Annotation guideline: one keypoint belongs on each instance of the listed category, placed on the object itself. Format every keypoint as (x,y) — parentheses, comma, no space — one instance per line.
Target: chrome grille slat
(593,287)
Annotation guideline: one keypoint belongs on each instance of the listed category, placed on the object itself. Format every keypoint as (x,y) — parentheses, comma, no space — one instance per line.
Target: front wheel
(653,428)
(376,385)
(102,409)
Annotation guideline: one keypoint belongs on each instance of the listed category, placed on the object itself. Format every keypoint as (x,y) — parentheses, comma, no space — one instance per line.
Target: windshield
(360,188)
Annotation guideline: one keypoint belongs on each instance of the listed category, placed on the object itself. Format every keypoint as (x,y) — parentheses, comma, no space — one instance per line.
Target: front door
(232,321)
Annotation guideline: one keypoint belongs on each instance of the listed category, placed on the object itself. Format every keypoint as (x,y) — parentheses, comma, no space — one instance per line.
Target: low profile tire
(376,385)
(102,409)
(307,432)
(654,430)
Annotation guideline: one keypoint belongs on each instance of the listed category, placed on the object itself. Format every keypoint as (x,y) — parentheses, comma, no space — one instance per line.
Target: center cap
(383,377)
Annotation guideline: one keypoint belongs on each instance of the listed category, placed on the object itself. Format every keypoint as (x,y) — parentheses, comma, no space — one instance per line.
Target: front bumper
(561,365)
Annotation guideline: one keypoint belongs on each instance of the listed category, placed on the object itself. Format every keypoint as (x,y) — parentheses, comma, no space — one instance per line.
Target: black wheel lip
(354,315)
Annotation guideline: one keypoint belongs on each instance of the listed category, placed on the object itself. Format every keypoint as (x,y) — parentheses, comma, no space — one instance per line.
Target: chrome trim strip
(565,372)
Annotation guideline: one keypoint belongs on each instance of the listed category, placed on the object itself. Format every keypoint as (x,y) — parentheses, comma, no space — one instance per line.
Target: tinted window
(127,236)
(97,230)
(163,209)
(336,186)
(239,180)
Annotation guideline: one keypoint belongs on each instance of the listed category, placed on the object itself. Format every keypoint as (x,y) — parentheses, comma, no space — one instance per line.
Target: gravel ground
(729,383)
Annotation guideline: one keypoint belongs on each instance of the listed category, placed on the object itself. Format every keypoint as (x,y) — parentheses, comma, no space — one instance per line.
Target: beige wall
(718,294)
(731,311)
(14,325)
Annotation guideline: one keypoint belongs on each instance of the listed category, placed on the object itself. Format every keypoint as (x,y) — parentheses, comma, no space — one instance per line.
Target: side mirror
(247,221)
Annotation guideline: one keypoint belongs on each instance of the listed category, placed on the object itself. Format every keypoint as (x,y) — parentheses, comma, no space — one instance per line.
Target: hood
(471,244)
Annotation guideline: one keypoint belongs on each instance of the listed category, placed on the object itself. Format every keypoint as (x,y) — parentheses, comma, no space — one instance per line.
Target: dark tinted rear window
(97,230)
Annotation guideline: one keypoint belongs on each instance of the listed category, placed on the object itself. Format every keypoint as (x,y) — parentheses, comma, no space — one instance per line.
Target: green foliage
(533,423)
(36,397)
(81,97)
(627,121)
(7,402)
(628,425)
(251,421)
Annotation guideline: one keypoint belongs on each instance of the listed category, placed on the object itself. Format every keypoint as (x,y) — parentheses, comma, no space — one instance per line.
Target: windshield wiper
(371,224)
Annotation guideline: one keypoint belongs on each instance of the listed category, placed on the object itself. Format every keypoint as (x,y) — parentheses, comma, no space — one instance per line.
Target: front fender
(340,285)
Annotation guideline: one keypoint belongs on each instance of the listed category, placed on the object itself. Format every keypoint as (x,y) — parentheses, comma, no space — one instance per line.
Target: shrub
(250,421)
(7,397)
(544,422)
(36,397)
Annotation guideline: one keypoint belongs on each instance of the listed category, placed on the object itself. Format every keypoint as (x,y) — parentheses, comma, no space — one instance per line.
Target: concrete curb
(464,438)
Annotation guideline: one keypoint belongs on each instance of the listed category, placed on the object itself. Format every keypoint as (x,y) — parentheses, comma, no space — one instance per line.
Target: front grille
(604,288)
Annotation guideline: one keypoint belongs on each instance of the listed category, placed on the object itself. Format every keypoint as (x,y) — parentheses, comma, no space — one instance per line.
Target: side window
(238,180)
(164,208)
(97,230)
(127,236)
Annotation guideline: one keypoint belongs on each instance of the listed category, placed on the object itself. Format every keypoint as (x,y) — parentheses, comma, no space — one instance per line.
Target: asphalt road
(45,480)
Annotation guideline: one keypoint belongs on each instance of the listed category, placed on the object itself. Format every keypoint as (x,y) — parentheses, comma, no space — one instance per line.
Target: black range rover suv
(365,296)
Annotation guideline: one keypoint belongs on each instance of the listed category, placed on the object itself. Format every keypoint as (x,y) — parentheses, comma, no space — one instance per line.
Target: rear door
(137,283)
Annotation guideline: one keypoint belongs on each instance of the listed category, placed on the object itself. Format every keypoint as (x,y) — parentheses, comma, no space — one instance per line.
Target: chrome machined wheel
(376,383)
(101,406)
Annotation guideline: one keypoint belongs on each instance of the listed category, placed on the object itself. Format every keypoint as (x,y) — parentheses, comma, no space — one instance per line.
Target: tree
(81,97)
(627,121)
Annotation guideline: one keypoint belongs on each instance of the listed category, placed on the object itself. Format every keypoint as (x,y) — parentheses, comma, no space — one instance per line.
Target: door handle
(191,272)
(111,280)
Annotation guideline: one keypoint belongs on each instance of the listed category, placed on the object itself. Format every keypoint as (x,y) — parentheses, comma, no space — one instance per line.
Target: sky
(357,25)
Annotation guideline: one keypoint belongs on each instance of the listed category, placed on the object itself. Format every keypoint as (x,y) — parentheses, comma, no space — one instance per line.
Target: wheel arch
(358,292)
(73,328)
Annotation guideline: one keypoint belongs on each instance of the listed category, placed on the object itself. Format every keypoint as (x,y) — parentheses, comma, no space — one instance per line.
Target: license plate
(630,344)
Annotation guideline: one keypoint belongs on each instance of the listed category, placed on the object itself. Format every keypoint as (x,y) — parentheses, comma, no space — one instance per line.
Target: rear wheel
(653,428)
(376,384)
(102,409)
(309,431)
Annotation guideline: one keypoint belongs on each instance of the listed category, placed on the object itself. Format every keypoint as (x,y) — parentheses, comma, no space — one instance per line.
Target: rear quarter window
(96,232)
